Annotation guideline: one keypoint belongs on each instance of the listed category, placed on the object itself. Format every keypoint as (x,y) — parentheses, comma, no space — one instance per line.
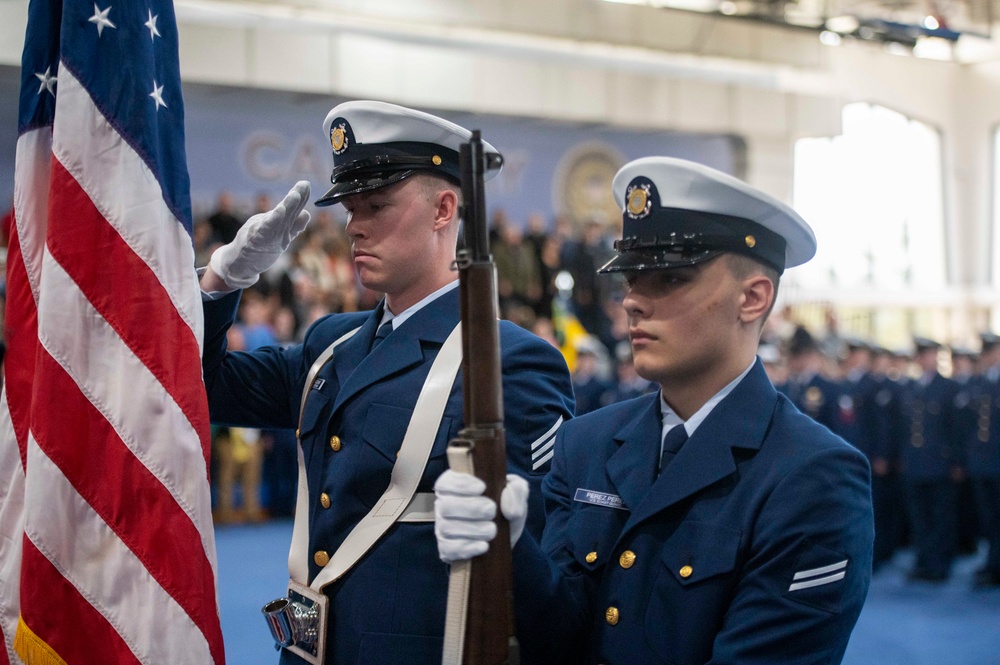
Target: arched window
(873,195)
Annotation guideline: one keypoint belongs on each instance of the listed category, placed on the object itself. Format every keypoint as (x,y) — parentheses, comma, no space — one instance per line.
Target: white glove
(263,238)
(463,517)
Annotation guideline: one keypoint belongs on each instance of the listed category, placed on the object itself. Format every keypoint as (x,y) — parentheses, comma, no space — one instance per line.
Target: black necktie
(382,332)
(672,442)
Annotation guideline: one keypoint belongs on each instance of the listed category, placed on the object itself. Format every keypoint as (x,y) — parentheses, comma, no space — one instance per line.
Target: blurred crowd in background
(927,417)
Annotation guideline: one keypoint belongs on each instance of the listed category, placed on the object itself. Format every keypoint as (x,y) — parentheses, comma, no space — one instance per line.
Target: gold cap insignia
(637,203)
(437,160)
(750,241)
(338,139)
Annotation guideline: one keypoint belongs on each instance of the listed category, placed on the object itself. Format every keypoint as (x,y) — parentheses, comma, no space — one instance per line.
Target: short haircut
(433,183)
(742,266)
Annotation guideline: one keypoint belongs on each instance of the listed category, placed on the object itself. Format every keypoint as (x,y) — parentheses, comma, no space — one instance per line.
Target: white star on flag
(100,19)
(151,24)
(157,96)
(48,81)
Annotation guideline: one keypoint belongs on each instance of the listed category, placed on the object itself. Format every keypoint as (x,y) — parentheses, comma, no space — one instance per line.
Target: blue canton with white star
(125,54)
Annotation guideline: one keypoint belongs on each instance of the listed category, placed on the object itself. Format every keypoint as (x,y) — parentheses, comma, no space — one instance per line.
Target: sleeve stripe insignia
(537,465)
(814,574)
(541,451)
(544,438)
(819,581)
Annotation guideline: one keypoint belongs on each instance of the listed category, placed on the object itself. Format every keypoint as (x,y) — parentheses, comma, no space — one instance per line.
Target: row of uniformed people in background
(933,442)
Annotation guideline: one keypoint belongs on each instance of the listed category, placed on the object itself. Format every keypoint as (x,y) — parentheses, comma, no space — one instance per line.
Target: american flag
(107,553)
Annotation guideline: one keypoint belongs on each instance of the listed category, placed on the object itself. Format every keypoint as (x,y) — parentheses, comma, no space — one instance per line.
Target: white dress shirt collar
(399,319)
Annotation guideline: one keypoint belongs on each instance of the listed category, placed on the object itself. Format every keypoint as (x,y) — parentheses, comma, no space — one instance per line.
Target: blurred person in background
(859,413)
(963,372)
(582,259)
(813,393)
(888,499)
(203,241)
(774,365)
(223,221)
(518,281)
(590,376)
(239,466)
(963,364)
(983,458)
(538,239)
(629,385)
(931,464)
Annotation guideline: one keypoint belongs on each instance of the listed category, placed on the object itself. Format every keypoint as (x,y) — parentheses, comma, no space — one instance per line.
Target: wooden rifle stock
(479,627)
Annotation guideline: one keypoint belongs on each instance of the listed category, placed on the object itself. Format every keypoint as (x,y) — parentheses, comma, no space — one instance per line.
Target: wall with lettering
(252,142)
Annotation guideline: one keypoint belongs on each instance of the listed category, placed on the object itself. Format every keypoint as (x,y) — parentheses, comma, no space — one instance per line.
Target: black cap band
(397,156)
(683,237)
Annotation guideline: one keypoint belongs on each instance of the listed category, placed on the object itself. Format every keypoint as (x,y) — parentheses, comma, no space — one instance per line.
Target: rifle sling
(399,502)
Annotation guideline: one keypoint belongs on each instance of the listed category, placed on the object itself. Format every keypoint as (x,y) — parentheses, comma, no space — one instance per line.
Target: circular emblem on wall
(581,187)
(338,139)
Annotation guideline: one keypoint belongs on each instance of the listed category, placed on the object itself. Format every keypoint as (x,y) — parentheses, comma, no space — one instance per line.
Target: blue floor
(902,623)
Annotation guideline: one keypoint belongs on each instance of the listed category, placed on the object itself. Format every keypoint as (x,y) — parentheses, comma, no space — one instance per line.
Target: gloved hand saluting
(463,517)
(263,238)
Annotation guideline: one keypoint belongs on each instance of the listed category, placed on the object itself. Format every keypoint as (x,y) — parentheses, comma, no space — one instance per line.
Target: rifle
(479,625)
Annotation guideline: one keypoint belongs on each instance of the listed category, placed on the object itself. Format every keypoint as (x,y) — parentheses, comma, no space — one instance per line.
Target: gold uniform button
(686,571)
(626,559)
(591,557)
(321,558)
(611,615)
(324,500)
(296,432)
(335,443)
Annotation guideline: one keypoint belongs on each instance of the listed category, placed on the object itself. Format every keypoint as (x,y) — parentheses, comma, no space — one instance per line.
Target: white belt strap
(406,473)
(298,566)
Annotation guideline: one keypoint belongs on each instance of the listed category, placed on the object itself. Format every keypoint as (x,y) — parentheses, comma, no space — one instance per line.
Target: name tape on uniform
(599,499)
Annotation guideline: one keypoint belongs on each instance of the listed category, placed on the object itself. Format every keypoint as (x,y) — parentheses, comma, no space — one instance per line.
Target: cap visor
(656,259)
(348,185)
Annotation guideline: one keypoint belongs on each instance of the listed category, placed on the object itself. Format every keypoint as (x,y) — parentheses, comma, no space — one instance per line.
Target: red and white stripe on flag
(107,552)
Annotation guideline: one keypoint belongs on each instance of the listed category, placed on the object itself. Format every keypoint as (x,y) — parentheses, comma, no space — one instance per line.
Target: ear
(447,208)
(756,299)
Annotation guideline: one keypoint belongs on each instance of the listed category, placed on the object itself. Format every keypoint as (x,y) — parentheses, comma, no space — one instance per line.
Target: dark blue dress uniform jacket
(700,565)
(390,607)
(863,422)
(819,398)
(982,454)
(935,440)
